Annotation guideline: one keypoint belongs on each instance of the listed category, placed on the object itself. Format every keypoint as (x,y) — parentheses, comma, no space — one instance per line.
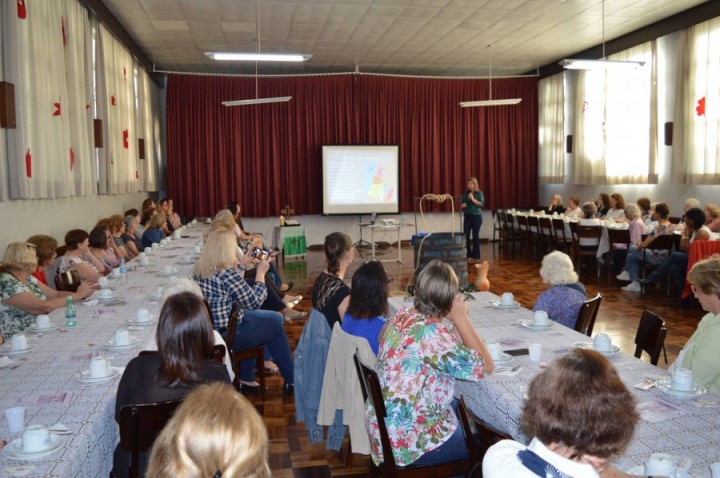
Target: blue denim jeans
(472,224)
(634,259)
(262,327)
(674,266)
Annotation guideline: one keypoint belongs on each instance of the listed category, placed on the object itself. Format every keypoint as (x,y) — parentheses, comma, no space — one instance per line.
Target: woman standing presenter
(472,203)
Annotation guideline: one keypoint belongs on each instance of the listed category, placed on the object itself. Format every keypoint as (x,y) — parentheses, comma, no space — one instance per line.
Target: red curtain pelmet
(268,156)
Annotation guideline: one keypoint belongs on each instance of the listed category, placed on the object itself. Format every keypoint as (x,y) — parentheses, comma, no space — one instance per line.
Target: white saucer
(506,358)
(664,386)
(34,329)
(639,470)
(107,299)
(166,274)
(530,325)
(84,376)
(499,305)
(586,345)
(14,449)
(152,298)
(12,353)
(110,276)
(153,319)
(110,344)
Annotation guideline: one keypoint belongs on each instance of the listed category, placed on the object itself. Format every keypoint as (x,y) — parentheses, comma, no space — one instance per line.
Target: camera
(259,253)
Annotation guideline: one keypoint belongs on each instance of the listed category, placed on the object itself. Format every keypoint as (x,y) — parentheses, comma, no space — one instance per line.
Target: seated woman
(365,316)
(573,210)
(132,243)
(563,299)
(617,208)
(712,217)
(330,295)
(556,205)
(568,414)
(45,247)
(644,204)
(244,238)
(676,264)
(117,230)
(603,205)
(153,230)
(636,228)
(219,274)
(700,352)
(589,212)
(101,247)
(22,296)
(215,432)
(637,253)
(418,376)
(183,361)
(173,216)
(79,258)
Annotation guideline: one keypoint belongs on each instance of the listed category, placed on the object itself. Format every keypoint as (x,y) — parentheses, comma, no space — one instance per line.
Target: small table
(379,227)
(290,240)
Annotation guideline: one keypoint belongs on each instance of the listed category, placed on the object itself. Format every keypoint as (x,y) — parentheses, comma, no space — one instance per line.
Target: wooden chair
(664,242)
(478,435)
(258,353)
(674,219)
(512,233)
(535,236)
(583,251)
(587,315)
(561,239)
(498,226)
(650,336)
(524,233)
(617,237)
(139,427)
(68,281)
(547,234)
(370,384)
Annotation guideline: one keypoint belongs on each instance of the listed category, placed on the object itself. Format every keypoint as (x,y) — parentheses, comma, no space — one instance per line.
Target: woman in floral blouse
(22,296)
(419,359)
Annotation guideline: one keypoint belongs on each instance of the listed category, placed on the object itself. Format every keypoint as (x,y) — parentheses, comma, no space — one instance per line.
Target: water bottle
(70,314)
(123,267)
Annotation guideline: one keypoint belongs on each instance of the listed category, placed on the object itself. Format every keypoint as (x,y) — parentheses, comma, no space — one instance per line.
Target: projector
(390,222)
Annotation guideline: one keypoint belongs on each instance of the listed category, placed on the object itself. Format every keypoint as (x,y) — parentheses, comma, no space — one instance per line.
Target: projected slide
(360,179)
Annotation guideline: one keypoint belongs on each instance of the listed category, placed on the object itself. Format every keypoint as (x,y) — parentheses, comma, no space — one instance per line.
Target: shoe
(273,369)
(634,286)
(290,285)
(291,315)
(292,301)
(624,276)
(288,389)
(646,283)
(246,389)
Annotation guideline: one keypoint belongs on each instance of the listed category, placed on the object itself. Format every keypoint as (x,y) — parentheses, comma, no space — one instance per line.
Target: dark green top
(471,207)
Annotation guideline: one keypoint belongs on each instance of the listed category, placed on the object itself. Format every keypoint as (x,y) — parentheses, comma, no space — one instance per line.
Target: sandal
(291,315)
(290,285)
(271,368)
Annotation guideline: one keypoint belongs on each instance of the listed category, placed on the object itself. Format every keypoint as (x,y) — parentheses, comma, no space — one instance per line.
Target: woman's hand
(459,309)
(85,289)
(262,267)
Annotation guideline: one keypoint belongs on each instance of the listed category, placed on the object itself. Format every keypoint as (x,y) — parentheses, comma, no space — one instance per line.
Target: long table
(45,382)
(685,427)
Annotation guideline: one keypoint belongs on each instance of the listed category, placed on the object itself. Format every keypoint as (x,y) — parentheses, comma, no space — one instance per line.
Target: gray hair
(557,269)
(179,286)
(589,209)
(129,221)
(691,203)
(632,211)
(435,289)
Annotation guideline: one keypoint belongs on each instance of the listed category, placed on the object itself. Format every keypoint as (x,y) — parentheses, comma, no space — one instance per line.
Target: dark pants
(472,225)
(262,327)
(674,266)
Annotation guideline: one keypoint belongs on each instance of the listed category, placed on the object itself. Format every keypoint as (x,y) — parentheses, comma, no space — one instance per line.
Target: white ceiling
(415,37)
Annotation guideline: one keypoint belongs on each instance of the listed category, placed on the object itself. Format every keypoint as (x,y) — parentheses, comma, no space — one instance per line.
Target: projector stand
(361,242)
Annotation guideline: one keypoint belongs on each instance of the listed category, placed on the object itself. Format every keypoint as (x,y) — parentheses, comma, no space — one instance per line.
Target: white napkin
(7,362)
(91,303)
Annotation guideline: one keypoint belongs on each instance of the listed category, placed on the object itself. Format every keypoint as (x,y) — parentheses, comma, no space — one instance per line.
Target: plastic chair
(587,315)
(370,384)
(478,435)
(650,336)
(139,427)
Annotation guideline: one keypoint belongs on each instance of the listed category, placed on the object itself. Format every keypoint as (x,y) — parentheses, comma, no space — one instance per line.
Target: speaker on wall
(7,105)
(568,143)
(97,133)
(668,133)
(141,148)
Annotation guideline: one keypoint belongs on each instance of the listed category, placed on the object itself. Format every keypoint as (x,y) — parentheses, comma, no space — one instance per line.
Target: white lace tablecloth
(45,383)
(689,428)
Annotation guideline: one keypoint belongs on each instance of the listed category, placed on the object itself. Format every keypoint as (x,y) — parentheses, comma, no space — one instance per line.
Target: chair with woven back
(650,336)
(371,389)
(591,235)
(587,315)
(479,436)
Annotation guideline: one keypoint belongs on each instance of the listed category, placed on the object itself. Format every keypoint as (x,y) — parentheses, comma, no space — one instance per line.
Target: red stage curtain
(267,156)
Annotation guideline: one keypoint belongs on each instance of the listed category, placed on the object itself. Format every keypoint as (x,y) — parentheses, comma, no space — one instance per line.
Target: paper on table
(658,410)
(7,362)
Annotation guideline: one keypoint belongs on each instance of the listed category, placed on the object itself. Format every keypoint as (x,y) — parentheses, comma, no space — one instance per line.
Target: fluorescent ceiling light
(509,101)
(257,101)
(296,57)
(572,64)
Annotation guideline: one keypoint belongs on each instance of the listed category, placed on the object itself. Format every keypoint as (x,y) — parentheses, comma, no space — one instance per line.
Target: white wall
(21,219)
(665,190)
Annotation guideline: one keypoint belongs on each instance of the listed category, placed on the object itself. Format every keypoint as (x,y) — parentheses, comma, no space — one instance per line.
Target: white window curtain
(615,133)
(551,98)
(697,154)
(46,48)
(118,163)
(146,114)
(3,132)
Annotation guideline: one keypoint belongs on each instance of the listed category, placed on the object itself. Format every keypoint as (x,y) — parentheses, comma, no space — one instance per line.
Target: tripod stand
(362,242)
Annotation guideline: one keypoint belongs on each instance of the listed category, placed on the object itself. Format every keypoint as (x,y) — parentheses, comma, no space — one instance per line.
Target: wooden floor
(290,453)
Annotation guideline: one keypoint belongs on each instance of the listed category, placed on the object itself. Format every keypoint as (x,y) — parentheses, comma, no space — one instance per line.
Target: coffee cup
(168,239)
(715,469)
(540,317)
(660,464)
(535,351)
(142,254)
(15,418)
(18,342)
(99,367)
(158,292)
(682,379)
(103,282)
(602,343)
(168,269)
(495,350)
(145,260)
(116,272)
(35,438)
(163,241)
(176,235)
(155,246)
(197,250)
(142,315)
(122,337)
(507,298)
(188,257)
(105,293)
(42,321)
